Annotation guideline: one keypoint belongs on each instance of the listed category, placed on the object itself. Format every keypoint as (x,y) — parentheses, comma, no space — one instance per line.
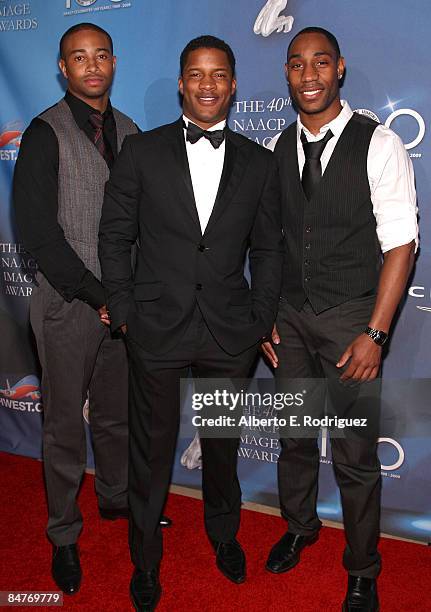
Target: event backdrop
(386,46)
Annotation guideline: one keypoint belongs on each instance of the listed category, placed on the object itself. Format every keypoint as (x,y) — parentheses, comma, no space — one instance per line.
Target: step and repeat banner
(386,46)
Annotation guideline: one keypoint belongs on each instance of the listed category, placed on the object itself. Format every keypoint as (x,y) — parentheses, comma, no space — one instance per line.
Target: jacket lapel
(181,172)
(235,163)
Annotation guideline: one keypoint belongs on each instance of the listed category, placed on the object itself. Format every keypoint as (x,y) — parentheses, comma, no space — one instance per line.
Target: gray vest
(332,253)
(82,174)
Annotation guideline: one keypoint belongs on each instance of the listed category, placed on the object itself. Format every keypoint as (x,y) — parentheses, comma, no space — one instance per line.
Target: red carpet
(190,581)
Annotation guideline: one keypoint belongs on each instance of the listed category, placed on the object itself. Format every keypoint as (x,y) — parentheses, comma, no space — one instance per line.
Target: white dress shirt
(390,175)
(206,167)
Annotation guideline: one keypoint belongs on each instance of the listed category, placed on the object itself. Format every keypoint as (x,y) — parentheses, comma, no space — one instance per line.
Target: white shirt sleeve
(393,193)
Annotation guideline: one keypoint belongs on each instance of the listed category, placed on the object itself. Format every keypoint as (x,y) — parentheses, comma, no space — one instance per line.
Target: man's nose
(92,64)
(309,72)
(207,82)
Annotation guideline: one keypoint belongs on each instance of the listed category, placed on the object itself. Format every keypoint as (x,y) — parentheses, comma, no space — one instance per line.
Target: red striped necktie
(97,121)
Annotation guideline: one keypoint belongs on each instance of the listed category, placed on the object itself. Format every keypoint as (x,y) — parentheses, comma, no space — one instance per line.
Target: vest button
(308,246)
(306,279)
(308,229)
(306,262)
(198,287)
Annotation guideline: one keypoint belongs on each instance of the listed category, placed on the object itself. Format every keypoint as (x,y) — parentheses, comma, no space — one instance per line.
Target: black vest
(331,249)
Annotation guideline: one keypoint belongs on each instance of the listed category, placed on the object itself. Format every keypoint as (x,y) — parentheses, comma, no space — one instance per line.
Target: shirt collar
(81,111)
(219,126)
(336,126)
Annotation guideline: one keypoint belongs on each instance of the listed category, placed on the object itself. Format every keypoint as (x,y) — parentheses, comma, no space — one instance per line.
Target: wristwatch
(378,336)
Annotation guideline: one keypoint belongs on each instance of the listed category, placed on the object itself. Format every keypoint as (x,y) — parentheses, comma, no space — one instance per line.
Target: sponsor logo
(409,112)
(10,136)
(270,20)
(24,395)
(77,7)
(421,293)
(368,113)
(17,269)
(16,16)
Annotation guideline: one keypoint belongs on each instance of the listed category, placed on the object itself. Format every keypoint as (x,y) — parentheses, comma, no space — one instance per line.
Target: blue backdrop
(386,46)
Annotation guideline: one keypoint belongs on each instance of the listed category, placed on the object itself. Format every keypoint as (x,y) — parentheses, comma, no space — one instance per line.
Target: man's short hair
(207,42)
(83,26)
(316,30)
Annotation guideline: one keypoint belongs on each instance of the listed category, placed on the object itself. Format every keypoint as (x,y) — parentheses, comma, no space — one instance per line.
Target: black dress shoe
(361,595)
(66,569)
(145,589)
(230,560)
(165,521)
(112,514)
(285,554)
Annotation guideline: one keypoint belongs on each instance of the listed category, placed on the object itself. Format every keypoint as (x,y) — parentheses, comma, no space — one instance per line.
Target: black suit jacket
(149,198)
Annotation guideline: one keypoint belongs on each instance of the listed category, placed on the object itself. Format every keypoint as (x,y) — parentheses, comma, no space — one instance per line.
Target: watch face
(378,336)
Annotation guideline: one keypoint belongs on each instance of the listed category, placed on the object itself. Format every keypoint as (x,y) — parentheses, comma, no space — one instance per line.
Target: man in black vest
(197,195)
(348,201)
(65,158)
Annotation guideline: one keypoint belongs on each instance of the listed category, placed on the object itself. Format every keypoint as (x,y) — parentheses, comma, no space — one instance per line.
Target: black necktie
(195,133)
(312,171)
(97,121)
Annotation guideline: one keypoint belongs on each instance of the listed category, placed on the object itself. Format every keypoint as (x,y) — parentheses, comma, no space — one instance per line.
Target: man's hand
(104,315)
(268,349)
(365,357)
(123,329)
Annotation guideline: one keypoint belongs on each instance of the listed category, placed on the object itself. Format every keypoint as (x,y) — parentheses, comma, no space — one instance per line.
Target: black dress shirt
(35,194)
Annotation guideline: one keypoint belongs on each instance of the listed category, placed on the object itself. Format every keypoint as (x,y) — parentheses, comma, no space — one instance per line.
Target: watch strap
(378,336)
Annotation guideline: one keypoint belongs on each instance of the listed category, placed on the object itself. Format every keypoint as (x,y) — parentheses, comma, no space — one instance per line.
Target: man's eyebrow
(85,50)
(317,54)
(214,69)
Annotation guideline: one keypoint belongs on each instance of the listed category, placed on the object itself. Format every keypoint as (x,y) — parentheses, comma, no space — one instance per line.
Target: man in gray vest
(64,162)
(349,220)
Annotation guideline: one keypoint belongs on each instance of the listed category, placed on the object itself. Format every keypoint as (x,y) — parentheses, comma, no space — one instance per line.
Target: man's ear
(180,86)
(341,67)
(62,66)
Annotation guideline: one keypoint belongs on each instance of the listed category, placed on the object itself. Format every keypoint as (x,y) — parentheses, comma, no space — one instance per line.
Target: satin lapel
(181,174)
(235,162)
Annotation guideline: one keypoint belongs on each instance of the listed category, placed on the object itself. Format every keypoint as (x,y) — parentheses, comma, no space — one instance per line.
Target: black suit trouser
(154,413)
(310,347)
(78,355)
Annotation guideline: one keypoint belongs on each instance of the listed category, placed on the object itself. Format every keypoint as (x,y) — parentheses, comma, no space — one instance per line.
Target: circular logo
(367,113)
(411,113)
(400,450)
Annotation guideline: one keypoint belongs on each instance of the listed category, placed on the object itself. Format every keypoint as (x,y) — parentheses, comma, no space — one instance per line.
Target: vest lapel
(291,167)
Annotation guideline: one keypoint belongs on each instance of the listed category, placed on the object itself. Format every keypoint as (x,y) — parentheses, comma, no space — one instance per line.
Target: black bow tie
(195,133)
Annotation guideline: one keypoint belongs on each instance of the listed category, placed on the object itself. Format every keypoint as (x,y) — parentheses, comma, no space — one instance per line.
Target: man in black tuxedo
(196,195)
